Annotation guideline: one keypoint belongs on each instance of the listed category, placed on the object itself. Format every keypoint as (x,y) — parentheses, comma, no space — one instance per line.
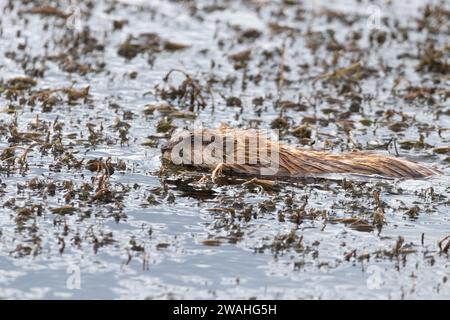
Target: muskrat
(249,152)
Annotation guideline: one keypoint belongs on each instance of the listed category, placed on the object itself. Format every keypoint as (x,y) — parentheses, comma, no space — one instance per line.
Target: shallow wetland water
(87,101)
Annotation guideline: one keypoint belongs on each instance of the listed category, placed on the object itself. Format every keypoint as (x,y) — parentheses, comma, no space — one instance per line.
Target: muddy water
(158,235)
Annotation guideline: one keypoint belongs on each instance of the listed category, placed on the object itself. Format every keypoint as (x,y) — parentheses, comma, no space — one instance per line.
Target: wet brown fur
(299,162)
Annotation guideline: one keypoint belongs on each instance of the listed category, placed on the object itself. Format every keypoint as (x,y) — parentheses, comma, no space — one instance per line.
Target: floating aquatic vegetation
(89,95)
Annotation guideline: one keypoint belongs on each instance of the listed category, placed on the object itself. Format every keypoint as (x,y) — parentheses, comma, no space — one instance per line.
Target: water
(158,251)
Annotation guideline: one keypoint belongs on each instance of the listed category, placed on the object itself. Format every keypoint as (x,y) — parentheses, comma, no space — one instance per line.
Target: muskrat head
(193,148)
(207,148)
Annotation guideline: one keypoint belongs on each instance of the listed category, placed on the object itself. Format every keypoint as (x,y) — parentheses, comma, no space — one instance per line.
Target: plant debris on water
(89,94)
